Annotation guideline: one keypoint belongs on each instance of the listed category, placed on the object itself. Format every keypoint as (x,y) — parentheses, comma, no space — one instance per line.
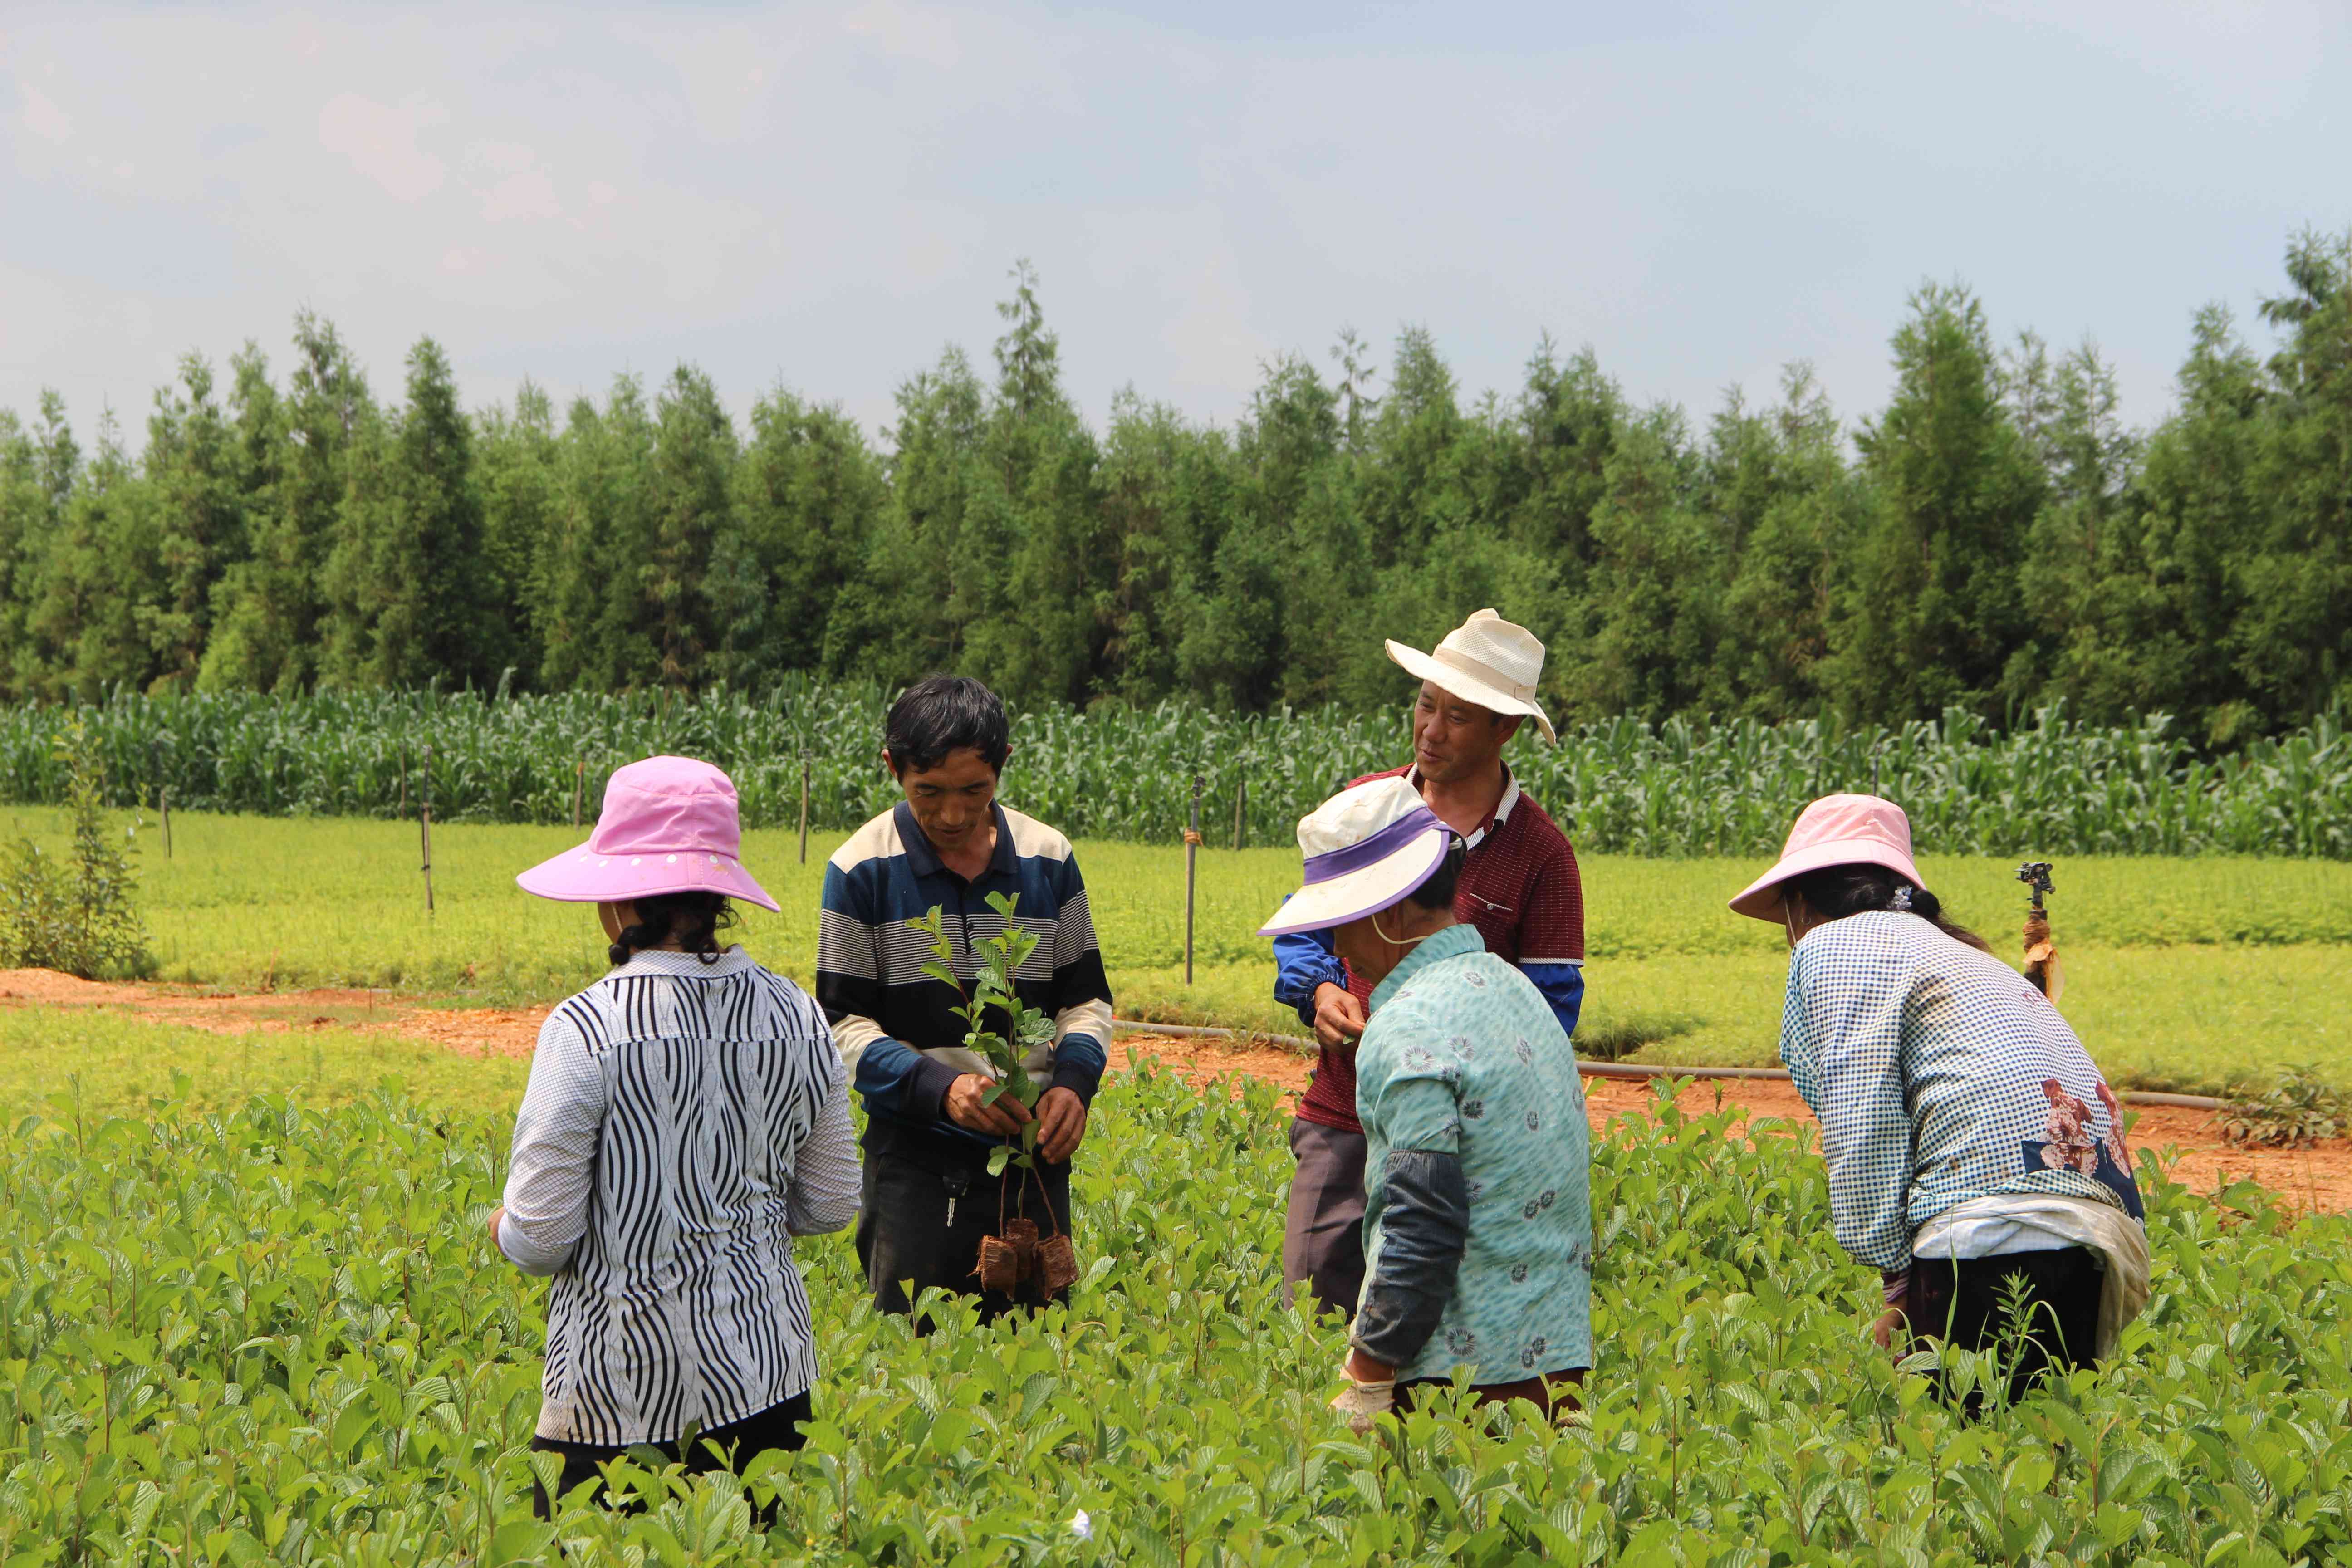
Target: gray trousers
(1323,1242)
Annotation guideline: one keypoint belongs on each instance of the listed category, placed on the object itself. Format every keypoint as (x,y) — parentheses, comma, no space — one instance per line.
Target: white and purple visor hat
(1365,848)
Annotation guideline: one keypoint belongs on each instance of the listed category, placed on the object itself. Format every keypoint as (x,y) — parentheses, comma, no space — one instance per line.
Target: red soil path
(2308,1180)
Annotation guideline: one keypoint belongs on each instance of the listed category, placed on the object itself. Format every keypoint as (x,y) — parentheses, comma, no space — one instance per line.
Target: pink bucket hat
(669,826)
(1835,830)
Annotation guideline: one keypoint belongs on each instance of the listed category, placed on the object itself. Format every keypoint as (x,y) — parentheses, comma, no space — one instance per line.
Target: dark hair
(1837,891)
(943,713)
(1436,889)
(695,918)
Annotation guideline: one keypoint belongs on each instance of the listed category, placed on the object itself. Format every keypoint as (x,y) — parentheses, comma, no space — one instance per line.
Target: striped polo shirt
(895,1025)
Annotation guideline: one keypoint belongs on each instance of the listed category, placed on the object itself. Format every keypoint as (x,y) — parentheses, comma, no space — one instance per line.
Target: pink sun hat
(669,826)
(1835,830)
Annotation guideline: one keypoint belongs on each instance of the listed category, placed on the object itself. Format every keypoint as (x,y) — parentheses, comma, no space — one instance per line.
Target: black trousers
(922,1227)
(777,1426)
(1959,1301)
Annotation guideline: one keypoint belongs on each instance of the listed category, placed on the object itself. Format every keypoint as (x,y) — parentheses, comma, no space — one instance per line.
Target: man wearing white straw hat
(1479,1220)
(1518,887)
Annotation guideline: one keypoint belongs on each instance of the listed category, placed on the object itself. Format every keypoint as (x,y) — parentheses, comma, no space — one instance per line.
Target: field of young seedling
(251,1315)
(275,1333)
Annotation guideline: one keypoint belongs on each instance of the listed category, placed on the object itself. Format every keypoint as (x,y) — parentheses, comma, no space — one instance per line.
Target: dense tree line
(1993,539)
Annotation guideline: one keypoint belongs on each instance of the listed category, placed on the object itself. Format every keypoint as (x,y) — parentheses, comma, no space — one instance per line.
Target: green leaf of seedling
(522,1541)
(998,1158)
(944,974)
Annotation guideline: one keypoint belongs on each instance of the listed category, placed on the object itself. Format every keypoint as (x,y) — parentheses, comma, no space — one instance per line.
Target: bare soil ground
(2309,1180)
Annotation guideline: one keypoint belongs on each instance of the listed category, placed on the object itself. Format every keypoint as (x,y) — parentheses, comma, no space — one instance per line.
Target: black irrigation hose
(1622,1069)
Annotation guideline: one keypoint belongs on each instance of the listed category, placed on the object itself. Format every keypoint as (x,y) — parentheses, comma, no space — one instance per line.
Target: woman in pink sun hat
(1956,1107)
(687,1116)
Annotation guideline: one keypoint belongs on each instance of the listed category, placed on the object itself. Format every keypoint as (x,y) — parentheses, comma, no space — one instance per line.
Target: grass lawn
(2182,972)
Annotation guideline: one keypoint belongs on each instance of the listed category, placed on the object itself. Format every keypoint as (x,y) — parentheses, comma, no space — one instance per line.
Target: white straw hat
(1486,660)
(1365,848)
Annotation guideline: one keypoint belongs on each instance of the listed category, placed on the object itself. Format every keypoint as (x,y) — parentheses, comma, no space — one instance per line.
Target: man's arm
(896,1080)
(1303,962)
(1082,1004)
(1562,985)
(1551,933)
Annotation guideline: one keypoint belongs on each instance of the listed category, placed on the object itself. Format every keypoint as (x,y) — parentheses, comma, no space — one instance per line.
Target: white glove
(1361,1402)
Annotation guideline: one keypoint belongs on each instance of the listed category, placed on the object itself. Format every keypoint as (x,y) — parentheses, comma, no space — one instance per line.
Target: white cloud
(381,142)
(1179,267)
(526,191)
(43,117)
(907,31)
(827,192)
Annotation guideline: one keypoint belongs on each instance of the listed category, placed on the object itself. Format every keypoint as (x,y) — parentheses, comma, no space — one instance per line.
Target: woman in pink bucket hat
(687,1116)
(1969,1139)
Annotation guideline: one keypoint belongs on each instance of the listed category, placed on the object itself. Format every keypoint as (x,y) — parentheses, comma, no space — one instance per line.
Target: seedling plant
(1004,1032)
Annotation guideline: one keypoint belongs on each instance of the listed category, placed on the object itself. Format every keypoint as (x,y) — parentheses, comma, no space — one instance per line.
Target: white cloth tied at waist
(2001,1223)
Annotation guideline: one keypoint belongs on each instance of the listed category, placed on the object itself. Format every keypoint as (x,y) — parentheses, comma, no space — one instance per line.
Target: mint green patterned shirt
(1463,1055)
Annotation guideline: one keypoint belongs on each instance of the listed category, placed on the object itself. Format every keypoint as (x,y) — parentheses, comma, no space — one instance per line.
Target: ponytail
(1838,892)
(695,920)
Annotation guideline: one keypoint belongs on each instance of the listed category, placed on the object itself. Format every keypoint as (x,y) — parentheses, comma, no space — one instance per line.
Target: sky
(823,197)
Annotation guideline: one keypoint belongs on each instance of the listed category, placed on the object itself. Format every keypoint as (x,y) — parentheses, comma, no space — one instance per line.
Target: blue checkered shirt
(1940,1074)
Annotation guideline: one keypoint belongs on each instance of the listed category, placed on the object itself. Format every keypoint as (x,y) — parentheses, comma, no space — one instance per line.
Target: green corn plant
(990,999)
(1683,787)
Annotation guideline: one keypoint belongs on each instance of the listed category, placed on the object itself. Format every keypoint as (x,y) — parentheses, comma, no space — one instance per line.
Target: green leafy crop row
(1678,788)
(276,1336)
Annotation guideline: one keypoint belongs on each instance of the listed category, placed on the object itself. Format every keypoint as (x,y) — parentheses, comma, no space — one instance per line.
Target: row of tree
(1993,538)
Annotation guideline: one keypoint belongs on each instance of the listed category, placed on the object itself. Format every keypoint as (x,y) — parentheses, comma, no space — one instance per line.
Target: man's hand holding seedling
(1061,1122)
(1006,1101)
(969,1104)
(1060,1115)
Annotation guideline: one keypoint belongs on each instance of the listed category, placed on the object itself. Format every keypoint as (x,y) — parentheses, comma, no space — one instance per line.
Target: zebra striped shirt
(683,1122)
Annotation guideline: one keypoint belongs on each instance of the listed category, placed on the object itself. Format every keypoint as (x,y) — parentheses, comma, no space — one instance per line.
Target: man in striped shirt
(928,1198)
(1519,888)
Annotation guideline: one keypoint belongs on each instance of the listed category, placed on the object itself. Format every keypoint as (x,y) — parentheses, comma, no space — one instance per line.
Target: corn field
(1676,788)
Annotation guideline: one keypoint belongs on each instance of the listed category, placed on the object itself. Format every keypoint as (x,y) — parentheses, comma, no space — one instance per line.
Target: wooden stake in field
(425,823)
(804,799)
(1241,801)
(163,806)
(1191,856)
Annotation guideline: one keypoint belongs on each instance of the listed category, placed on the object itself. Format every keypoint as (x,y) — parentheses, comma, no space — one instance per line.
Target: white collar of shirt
(732,960)
(1502,807)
